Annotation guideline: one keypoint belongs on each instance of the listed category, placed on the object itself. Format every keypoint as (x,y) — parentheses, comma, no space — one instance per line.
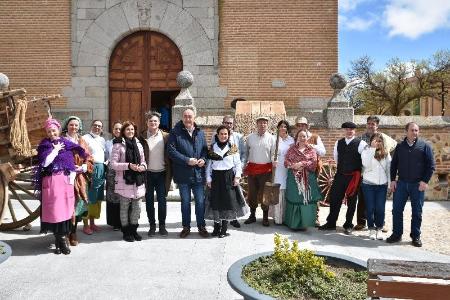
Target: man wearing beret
(347,154)
(260,150)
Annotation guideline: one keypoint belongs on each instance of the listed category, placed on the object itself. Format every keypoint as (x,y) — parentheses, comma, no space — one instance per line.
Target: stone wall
(435,130)
(35,46)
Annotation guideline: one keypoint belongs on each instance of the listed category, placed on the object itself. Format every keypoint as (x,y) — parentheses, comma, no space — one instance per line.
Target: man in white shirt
(347,154)
(97,148)
(260,150)
(158,175)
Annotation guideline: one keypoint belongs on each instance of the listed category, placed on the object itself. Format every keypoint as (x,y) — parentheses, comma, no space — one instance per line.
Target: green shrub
(291,273)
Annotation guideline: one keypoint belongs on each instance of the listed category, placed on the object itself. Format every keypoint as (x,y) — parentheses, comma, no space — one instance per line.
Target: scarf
(219,143)
(132,156)
(309,159)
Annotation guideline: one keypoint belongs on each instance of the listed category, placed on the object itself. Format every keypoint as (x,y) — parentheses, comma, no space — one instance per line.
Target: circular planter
(5,251)
(240,286)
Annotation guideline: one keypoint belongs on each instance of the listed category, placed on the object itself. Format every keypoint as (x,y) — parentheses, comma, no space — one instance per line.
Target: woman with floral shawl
(302,190)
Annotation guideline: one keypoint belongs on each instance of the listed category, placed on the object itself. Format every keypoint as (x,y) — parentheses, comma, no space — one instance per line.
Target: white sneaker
(379,234)
(372,234)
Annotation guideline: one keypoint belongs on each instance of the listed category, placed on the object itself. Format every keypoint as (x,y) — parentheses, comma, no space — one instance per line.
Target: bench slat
(407,290)
(386,267)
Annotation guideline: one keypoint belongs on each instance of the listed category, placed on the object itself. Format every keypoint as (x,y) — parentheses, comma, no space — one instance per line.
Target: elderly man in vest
(260,151)
(411,169)
(347,154)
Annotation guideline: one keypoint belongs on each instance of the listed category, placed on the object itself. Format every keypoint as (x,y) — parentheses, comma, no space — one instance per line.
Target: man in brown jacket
(158,173)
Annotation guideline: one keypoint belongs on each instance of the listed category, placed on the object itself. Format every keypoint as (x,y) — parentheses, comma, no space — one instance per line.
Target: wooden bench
(408,279)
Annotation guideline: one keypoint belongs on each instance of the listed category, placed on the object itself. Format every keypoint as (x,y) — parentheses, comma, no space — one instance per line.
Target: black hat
(348,125)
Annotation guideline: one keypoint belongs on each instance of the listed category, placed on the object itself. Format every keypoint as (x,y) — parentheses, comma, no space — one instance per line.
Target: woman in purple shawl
(55,177)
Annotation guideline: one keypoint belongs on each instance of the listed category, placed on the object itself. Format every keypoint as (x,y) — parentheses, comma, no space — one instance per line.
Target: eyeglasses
(97,125)
(228,123)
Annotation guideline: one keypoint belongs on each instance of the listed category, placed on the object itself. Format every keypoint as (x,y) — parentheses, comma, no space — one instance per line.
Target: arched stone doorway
(142,76)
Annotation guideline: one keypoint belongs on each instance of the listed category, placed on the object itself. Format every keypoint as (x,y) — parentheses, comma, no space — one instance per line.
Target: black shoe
(64,244)
(134,233)
(416,242)
(393,239)
(152,231)
(265,220)
(235,223)
(57,246)
(251,219)
(327,226)
(348,230)
(223,230)
(216,230)
(162,230)
(127,237)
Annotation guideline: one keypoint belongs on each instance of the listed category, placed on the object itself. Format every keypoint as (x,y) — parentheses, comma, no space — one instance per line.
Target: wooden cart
(18,203)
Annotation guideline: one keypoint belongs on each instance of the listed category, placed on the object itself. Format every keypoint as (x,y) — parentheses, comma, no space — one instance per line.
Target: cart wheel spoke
(17,197)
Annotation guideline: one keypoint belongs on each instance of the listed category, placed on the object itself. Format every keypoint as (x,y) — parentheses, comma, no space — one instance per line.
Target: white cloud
(348,5)
(413,18)
(355,23)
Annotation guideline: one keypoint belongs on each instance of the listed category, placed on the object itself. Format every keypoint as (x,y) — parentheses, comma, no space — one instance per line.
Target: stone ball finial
(4,82)
(185,79)
(337,81)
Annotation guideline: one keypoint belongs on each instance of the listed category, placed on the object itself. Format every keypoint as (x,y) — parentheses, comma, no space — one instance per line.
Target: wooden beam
(407,290)
(386,267)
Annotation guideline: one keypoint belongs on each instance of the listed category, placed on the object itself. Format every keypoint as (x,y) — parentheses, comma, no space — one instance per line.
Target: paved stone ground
(105,267)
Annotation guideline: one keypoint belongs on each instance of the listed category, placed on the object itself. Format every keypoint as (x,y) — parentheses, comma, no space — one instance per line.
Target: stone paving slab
(105,267)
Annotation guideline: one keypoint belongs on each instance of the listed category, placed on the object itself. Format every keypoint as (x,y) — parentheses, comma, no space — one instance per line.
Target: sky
(384,29)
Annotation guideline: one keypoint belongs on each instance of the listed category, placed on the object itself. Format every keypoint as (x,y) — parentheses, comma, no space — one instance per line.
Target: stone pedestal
(184,100)
(338,110)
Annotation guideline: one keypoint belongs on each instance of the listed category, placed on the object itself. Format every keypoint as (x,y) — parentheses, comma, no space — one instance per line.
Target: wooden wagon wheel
(20,205)
(325,180)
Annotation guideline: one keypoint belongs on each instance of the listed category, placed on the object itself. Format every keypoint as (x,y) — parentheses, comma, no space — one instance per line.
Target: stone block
(184,19)
(198,45)
(191,32)
(96,33)
(204,70)
(338,115)
(91,3)
(89,13)
(83,71)
(110,3)
(210,32)
(96,91)
(209,103)
(211,13)
(212,92)
(73,26)
(206,80)
(100,114)
(170,16)
(82,26)
(91,46)
(193,69)
(207,23)
(131,13)
(157,13)
(200,58)
(101,71)
(89,81)
(87,102)
(312,103)
(176,2)
(198,3)
(75,51)
(62,113)
(73,92)
(199,12)
(113,22)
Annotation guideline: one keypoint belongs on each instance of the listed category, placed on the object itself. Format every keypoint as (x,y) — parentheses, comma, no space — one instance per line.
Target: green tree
(390,91)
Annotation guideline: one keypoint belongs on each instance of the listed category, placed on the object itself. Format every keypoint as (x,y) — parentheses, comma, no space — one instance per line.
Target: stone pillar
(338,110)
(184,99)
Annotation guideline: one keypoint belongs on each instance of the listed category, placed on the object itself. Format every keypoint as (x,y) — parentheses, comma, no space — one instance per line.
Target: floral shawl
(309,159)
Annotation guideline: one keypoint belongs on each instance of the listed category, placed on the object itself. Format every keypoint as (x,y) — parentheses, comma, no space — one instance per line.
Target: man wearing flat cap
(260,150)
(347,154)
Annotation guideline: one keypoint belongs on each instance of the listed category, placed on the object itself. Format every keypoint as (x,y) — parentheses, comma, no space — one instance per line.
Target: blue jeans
(198,189)
(375,201)
(156,182)
(401,194)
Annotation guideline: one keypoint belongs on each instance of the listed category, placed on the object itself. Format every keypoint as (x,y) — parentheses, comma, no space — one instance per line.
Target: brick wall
(35,45)
(265,40)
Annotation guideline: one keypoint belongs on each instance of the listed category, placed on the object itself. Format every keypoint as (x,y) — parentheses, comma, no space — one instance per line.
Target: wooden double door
(143,64)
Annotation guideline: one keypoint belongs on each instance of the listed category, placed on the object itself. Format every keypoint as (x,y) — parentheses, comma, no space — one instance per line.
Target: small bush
(291,273)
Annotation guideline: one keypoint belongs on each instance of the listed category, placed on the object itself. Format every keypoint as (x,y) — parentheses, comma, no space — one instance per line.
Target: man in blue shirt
(413,162)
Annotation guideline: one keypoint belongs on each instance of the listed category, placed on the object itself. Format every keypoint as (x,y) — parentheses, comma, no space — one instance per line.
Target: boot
(73,241)
(216,230)
(57,245)
(223,230)
(64,244)
(251,219)
(265,221)
(126,234)
(134,233)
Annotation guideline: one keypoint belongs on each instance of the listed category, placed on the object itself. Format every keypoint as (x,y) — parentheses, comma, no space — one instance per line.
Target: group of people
(72,169)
